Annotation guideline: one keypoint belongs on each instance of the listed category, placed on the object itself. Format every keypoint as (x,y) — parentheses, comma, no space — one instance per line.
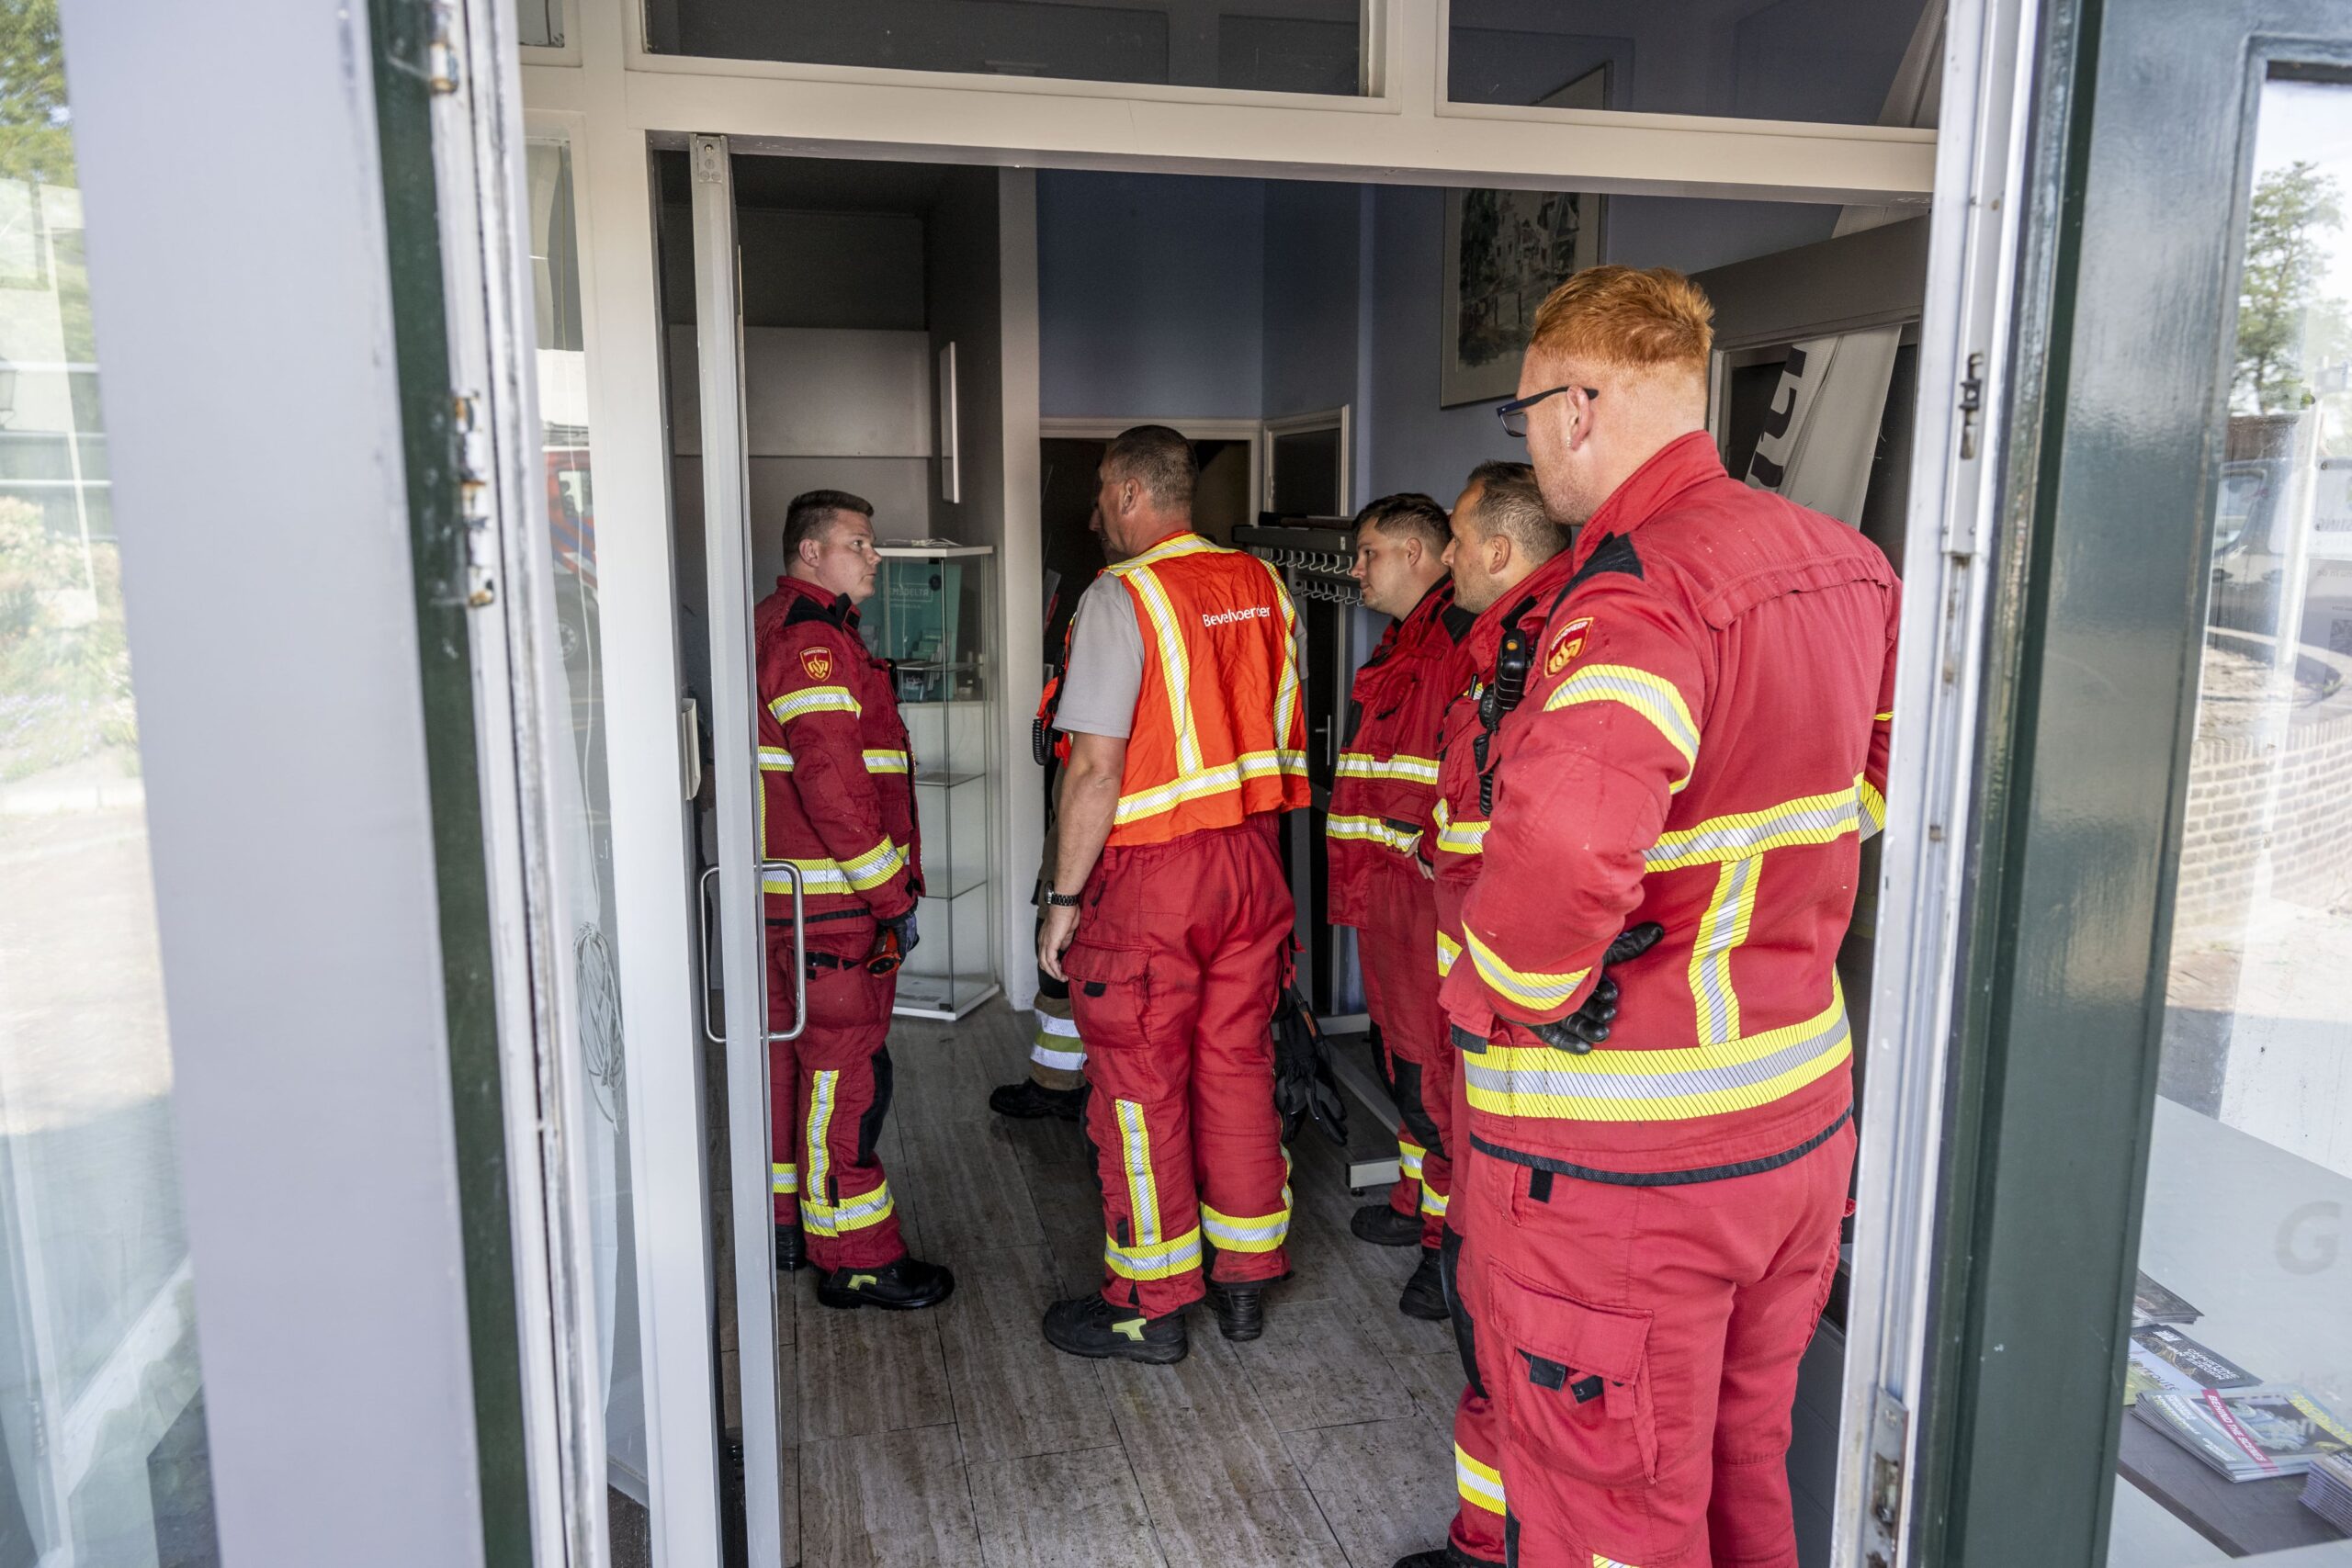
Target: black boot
(1384,1226)
(1446,1556)
(1424,1294)
(1030,1101)
(1088,1326)
(903,1284)
(791,1252)
(1240,1308)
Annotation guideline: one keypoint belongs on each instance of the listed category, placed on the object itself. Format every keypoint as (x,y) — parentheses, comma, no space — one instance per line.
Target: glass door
(2145,1280)
(736,939)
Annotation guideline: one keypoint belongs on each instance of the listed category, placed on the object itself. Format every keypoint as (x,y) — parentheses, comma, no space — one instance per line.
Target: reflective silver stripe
(1371,831)
(1480,1484)
(1046,1055)
(1632,1086)
(1159,1261)
(1432,1201)
(850,1213)
(814,699)
(1134,1148)
(879,761)
(1363,765)
(785,1177)
(1722,931)
(1209,780)
(1652,696)
(1175,665)
(1053,1024)
(775,759)
(1813,819)
(1250,1233)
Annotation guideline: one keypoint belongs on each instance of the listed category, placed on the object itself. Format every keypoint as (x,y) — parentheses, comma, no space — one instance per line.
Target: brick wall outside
(2312,835)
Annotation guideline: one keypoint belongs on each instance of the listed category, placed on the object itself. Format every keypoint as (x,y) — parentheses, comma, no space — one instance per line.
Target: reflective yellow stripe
(1447,949)
(1601,1562)
(1531,989)
(857,1214)
(1463,838)
(1409,1158)
(1175,665)
(1371,830)
(1481,1485)
(1134,1146)
(774,760)
(1432,1202)
(784,1178)
(869,871)
(886,762)
(1886,717)
(1411,769)
(1158,1261)
(1721,929)
(1811,820)
(1658,1086)
(1210,781)
(818,1153)
(1247,1233)
(1873,807)
(1287,697)
(1652,696)
(814,699)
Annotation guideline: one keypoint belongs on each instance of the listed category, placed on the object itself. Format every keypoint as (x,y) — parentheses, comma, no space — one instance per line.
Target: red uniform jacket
(1455,848)
(836,784)
(1703,743)
(1388,777)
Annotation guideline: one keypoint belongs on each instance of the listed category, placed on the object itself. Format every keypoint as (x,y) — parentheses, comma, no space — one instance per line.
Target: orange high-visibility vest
(1220,734)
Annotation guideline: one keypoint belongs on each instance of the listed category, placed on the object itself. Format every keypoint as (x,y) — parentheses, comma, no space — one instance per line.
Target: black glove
(1304,1087)
(905,926)
(1589,1025)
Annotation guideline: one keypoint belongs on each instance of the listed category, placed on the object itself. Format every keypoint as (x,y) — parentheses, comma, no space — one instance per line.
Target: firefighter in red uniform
(836,799)
(1170,915)
(1380,813)
(1679,795)
(1506,556)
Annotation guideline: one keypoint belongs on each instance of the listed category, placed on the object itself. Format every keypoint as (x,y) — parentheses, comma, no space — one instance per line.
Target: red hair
(1627,319)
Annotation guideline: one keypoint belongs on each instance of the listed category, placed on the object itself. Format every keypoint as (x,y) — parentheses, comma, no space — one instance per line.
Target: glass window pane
(583,808)
(1825,61)
(2239,1368)
(540,23)
(103,1457)
(1279,45)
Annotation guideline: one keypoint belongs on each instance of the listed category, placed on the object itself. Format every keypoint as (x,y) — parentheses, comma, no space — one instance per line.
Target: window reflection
(103,1457)
(2240,1370)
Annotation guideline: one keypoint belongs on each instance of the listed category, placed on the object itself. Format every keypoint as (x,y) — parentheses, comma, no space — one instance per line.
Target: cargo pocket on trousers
(1576,1386)
(1110,992)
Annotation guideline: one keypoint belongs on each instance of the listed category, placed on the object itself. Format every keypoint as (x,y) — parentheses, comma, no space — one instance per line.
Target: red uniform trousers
(1180,949)
(828,1092)
(1641,1345)
(1477,1527)
(1398,948)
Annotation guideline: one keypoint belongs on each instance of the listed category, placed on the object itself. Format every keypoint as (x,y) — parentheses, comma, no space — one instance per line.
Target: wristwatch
(1061,900)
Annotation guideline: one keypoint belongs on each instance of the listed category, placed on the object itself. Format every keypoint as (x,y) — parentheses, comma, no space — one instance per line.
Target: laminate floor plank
(965,1185)
(898,1500)
(1316,1366)
(1386,1487)
(1221,1490)
(1079,1509)
(1069,1205)
(869,1371)
(944,1072)
(1433,1379)
(1016,1397)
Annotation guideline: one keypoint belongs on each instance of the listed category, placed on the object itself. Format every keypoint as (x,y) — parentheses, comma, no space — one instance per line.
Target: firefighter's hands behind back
(1580,1031)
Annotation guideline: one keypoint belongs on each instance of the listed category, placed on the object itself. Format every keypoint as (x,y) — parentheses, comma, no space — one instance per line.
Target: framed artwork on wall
(1505,250)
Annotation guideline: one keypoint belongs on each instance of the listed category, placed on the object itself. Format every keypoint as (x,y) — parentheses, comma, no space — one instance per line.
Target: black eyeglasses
(1514,413)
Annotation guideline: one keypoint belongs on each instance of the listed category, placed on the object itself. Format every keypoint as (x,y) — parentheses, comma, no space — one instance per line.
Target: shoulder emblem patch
(817,663)
(1566,646)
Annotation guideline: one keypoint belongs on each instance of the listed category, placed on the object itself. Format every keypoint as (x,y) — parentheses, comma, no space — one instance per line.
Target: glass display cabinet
(932,616)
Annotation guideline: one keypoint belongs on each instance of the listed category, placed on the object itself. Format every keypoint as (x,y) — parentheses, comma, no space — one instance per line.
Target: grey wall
(1312,295)
(1150,291)
(808,269)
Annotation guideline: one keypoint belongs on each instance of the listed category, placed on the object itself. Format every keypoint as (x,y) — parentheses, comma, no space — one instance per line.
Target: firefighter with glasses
(1657,1055)
(836,799)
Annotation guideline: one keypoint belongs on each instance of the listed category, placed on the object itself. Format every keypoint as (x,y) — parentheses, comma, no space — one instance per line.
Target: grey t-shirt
(1105,673)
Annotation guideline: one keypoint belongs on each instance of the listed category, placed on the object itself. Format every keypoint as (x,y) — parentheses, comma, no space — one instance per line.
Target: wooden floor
(958,1435)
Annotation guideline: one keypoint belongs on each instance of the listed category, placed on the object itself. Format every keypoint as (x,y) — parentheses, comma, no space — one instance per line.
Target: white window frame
(1342,419)
(1404,131)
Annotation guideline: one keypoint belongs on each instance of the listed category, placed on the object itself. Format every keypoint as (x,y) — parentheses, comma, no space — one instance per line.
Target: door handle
(799,949)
